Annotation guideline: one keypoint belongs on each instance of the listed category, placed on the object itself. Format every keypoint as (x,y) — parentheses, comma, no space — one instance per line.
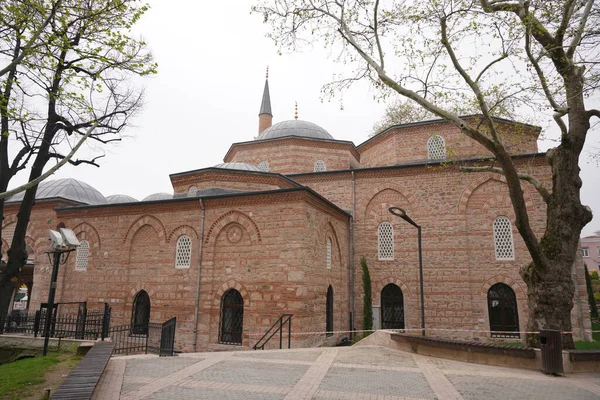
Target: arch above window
(183,252)
(263,166)
(385,241)
(192,191)
(436,148)
(83,252)
(320,166)
(503,239)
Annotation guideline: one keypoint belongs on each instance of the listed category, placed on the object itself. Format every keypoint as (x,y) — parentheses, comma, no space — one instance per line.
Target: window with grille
(436,148)
(320,166)
(8,232)
(183,254)
(503,239)
(83,252)
(328,253)
(192,191)
(385,241)
(585,252)
(264,166)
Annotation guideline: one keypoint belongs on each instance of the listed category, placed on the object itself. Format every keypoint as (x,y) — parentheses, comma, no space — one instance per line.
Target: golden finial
(267,76)
(296,111)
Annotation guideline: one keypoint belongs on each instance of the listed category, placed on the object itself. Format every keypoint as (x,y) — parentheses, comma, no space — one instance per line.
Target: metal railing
(153,338)
(274,329)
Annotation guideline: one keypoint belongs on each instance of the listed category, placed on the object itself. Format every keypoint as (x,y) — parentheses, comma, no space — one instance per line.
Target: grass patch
(583,345)
(23,378)
(511,344)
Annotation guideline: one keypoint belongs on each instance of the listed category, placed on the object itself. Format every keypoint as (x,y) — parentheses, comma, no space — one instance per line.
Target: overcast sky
(212,58)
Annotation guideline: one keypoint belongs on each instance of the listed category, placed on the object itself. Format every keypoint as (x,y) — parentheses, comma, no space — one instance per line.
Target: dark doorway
(140,315)
(232,317)
(502,307)
(329,312)
(392,307)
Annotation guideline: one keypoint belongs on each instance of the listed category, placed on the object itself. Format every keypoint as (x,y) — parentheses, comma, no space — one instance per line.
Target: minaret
(265,118)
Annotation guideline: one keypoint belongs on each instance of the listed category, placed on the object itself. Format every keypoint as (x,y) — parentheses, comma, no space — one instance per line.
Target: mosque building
(280,228)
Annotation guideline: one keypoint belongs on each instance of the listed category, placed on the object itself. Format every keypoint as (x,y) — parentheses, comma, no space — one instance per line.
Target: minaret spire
(265,116)
(296,111)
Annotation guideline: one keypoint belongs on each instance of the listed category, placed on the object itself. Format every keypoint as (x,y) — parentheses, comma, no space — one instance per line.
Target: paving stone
(183,393)
(381,357)
(247,372)
(379,382)
(490,388)
(278,355)
(158,367)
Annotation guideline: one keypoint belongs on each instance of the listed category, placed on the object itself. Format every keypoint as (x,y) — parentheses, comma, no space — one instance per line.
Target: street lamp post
(397,211)
(63,242)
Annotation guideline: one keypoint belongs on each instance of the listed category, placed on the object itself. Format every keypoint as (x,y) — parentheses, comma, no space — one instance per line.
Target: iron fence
(153,338)
(86,324)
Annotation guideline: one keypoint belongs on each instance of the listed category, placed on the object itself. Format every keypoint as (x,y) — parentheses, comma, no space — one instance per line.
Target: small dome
(241,166)
(295,127)
(120,198)
(68,189)
(158,196)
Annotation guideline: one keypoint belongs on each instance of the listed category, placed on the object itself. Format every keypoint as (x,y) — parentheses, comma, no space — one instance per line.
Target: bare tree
(76,59)
(541,54)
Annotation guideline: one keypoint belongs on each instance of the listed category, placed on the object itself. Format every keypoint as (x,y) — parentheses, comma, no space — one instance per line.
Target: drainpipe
(352,255)
(200,247)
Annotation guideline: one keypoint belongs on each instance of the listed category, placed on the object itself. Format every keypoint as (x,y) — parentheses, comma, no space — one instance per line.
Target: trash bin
(551,348)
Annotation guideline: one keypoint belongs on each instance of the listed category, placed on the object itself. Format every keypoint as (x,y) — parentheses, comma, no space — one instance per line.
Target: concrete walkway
(366,372)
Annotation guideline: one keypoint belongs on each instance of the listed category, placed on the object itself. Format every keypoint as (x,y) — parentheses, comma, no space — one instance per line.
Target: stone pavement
(365,372)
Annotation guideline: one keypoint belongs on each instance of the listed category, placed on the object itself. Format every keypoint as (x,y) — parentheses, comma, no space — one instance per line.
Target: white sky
(212,58)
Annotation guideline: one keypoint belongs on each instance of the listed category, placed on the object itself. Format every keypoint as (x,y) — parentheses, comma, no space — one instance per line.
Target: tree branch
(525,177)
(52,170)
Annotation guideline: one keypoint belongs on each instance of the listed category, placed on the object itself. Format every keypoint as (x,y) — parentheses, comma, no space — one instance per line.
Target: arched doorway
(232,317)
(140,314)
(502,308)
(329,312)
(392,307)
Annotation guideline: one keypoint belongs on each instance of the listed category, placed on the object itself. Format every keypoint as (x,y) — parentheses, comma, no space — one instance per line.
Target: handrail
(276,327)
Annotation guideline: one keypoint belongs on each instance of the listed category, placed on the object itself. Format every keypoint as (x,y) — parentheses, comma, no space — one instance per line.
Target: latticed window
(385,241)
(503,239)
(320,166)
(264,166)
(83,252)
(328,253)
(436,148)
(192,191)
(183,254)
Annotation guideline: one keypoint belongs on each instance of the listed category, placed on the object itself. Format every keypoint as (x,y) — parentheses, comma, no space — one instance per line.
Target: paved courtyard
(366,372)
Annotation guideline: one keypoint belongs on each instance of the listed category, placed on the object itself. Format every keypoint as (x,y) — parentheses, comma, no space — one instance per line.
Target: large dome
(237,165)
(295,127)
(68,188)
(120,198)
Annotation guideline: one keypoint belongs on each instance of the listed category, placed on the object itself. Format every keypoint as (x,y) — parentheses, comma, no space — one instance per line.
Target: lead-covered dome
(295,127)
(120,198)
(158,196)
(237,165)
(68,189)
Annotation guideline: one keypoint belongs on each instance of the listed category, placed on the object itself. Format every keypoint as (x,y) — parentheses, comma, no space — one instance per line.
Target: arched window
(183,253)
(140,314)
(503,239)
(329,253)
(392,307)
(192,191)
(329,312)
(502,308)
(320,166)
(385,241)
(232,317)
(83,252)
(436,148)
(263,166)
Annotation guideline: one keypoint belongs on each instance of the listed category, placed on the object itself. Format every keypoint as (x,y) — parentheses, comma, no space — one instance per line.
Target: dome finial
(267,75)
(296,111)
